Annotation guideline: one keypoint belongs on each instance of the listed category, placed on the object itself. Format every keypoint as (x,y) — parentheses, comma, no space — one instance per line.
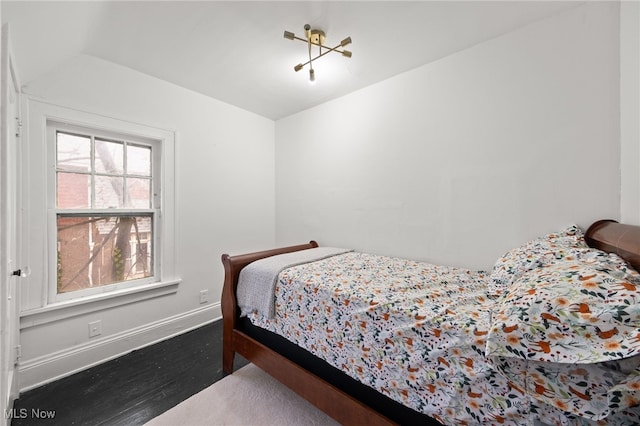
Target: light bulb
(312,76)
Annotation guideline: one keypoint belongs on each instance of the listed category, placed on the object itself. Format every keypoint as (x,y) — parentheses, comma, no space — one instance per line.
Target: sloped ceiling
(234,51)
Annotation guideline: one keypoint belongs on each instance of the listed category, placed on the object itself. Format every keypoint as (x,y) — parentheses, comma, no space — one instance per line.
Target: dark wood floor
(132,389)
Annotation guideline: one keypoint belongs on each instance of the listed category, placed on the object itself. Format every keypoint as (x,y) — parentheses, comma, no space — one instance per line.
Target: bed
(551,334)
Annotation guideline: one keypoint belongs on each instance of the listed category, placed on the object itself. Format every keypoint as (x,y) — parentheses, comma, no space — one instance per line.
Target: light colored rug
(247,397)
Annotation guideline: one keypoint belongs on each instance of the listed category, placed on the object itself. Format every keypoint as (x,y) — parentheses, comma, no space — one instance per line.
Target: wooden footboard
(230,312)
(328,398)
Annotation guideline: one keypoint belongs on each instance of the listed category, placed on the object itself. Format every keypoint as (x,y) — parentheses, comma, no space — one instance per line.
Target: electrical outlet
(95,328)
(204,296)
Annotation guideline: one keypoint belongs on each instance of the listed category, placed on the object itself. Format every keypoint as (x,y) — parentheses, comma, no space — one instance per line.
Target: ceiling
(235,51)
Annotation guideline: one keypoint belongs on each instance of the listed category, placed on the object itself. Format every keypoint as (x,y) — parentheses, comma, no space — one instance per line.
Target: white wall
(224,197)
(630,111)
(458,160)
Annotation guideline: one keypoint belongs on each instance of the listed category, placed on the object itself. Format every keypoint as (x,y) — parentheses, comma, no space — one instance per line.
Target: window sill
(68,309)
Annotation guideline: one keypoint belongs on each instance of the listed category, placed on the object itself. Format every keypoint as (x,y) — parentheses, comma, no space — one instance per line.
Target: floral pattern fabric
(415,332)
(591,391)
(549,249)
(584,310)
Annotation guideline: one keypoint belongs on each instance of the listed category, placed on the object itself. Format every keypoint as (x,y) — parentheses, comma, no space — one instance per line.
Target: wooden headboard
(613,237)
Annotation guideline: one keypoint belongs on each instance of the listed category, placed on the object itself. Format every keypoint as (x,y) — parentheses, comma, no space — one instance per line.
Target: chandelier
(315,38)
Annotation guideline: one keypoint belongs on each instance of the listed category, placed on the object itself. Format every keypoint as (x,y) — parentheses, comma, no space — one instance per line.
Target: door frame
(11,226)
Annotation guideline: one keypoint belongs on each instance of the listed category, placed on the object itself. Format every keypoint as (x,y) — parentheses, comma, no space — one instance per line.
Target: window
(106,209)
(99,213)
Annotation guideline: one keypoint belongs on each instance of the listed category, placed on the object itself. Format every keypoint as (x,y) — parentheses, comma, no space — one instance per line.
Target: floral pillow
(580,310)
(542,251)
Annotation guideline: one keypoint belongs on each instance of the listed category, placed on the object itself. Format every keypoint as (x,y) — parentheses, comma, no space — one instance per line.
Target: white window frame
(42,304)
(156,147)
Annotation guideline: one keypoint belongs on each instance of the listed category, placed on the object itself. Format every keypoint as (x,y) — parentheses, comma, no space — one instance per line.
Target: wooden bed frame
(606,235)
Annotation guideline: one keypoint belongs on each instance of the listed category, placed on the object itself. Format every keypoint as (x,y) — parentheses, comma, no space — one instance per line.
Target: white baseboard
(39,371)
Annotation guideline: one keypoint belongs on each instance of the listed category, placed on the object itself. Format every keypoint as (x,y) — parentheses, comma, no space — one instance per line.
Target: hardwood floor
(132,389)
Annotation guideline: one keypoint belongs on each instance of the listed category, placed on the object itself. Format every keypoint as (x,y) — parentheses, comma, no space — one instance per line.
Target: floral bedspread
(415,332)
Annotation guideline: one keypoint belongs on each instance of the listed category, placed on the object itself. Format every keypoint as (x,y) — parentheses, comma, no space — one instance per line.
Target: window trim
(41,212)
(71,308)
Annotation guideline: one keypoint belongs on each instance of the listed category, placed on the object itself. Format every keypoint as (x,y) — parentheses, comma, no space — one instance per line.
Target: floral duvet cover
(413,331)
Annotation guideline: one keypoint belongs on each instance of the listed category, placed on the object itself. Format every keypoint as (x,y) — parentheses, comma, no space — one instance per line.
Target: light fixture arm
(332,49)
(295,37)
(342,43)
(312,73)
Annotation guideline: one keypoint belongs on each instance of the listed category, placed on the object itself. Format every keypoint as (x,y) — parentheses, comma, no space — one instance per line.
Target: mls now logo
(34,413)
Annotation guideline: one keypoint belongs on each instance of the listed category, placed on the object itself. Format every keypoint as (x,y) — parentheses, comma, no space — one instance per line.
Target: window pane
(73,153)
(109,192)
(109,157)
(138,193)
(73,191)
(101,250)
(139,160)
